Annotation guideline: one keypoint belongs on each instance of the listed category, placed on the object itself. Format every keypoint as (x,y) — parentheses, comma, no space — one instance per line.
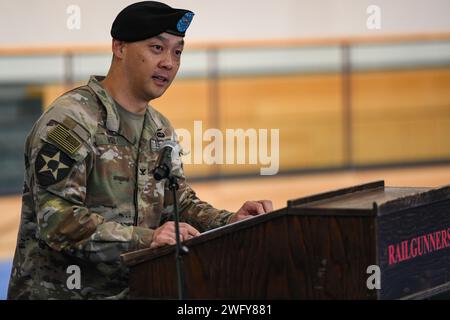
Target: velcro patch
(52,165)
(64,139)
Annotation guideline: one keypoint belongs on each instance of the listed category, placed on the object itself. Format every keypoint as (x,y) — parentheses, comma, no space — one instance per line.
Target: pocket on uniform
(112,179)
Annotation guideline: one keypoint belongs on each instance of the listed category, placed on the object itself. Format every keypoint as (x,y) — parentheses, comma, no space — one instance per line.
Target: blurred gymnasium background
(352,104)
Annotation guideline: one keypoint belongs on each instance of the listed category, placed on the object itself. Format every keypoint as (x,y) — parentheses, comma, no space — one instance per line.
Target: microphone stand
(180,250)
(163,170)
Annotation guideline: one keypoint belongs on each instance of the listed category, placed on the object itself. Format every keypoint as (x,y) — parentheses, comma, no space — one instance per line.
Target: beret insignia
(185,21)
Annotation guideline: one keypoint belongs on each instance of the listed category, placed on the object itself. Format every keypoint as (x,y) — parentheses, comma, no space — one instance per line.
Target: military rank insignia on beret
(147,19)
(52,165)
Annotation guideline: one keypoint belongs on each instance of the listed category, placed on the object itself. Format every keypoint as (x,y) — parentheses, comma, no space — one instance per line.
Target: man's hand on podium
(252,208)
(165,234)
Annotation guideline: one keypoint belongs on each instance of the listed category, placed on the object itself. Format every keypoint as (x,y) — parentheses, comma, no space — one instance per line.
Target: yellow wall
(306,110)
(401,116)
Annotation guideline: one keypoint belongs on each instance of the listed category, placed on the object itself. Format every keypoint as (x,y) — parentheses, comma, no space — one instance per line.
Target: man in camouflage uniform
(89,192)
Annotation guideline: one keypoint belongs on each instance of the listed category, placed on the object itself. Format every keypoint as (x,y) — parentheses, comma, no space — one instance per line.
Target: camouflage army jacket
(90,196)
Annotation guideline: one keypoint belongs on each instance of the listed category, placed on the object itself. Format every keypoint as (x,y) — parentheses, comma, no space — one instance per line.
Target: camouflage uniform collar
(153,117)
(108,101)
(112,116)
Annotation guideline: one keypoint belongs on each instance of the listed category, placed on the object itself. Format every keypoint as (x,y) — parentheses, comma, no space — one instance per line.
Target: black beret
(146,19)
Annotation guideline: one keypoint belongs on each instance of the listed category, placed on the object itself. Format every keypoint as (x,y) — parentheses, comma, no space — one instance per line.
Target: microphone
(168,153)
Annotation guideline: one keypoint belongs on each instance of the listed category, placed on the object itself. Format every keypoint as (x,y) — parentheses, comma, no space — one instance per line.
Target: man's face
(152,64)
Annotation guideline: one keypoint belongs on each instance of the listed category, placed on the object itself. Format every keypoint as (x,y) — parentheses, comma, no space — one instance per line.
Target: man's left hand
(252,208)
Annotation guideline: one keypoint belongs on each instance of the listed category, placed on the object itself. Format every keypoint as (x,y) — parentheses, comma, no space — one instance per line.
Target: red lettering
(405,251)
(427,244)
(399,253)
(444,239)
(438,240)
(432,241)
(413,248)
(391,250)
(419,246)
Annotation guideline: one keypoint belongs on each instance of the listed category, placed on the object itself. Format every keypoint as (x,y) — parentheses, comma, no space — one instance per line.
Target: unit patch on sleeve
(52,165)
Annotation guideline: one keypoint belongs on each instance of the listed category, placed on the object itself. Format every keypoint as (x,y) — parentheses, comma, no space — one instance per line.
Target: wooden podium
(326,246)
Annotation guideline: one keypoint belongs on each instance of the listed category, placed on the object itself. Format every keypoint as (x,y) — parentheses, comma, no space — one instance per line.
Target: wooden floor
(230,194)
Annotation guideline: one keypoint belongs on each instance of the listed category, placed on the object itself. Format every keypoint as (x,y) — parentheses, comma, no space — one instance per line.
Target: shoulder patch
(52,165)
(64,139)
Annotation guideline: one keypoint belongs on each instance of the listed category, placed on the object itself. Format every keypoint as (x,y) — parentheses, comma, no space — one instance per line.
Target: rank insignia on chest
(52,165)
(159,138)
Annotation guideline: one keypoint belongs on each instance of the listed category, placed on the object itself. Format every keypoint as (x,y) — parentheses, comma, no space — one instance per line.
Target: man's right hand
(165,234)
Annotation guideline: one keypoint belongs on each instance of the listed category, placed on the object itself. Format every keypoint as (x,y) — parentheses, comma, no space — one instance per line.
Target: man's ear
(118,48)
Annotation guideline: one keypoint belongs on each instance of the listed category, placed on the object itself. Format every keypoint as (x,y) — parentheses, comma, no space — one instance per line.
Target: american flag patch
(64,139)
